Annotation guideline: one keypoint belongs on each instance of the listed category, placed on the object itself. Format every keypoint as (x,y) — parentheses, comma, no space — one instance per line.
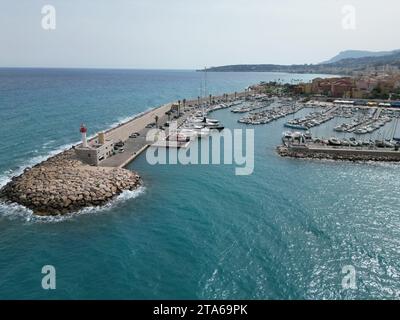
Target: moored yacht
(334,141)
(201,131)
(213,124)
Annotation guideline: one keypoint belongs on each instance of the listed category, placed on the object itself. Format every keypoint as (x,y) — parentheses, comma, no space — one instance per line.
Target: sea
(293,229)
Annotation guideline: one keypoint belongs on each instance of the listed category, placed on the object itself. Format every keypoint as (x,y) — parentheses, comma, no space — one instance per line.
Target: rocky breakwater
(63,184)
(359,155)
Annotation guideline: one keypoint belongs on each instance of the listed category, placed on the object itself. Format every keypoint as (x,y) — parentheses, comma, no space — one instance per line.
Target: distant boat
(202,131)
(334,142)
(339,129)
(212,123)
(295,126)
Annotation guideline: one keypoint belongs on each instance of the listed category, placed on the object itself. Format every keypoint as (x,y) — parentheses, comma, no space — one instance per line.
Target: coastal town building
(96,151)
(379,85)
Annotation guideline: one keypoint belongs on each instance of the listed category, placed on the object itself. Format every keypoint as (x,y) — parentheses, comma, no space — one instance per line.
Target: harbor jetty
(299,145)
(343,153)
(93,172)
(64,184)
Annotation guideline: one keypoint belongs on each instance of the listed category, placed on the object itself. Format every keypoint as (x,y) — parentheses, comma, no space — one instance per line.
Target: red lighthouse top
(83,129)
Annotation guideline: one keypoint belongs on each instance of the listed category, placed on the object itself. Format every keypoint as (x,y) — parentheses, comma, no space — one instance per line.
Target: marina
(312,120)
(129,138)
(199,158)
(300,145)
(193,122)
(367,123)
(272,114)
(155,214)
(252,106)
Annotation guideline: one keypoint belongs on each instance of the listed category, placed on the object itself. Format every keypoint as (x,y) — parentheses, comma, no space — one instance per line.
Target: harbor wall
(122,131)
(339,153)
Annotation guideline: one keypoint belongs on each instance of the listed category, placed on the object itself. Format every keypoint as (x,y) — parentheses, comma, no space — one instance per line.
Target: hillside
(355,54)
(343,66)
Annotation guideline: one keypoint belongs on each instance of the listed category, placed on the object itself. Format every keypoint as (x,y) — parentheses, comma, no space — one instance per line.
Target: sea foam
(14,211)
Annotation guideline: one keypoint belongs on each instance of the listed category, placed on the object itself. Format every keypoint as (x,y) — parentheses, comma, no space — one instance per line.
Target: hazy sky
(189,34)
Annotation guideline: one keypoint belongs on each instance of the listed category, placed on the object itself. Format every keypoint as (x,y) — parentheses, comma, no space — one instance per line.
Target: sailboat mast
(205,82)
(205,88)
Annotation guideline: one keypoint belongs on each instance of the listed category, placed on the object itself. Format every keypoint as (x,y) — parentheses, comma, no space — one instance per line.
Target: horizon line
(95,68)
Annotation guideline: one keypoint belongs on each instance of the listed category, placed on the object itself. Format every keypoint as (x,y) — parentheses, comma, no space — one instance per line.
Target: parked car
(121,150)
(119,144)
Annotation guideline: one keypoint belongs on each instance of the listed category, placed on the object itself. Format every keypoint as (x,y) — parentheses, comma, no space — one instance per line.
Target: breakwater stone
(332,154)
(63,184)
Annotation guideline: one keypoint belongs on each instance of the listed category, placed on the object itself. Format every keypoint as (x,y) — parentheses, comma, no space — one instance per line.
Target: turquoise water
(197,231)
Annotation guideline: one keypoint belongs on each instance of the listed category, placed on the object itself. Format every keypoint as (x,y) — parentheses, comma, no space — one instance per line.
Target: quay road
(135,146)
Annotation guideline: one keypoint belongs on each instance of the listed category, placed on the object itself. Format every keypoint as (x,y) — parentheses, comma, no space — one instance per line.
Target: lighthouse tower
(83,131)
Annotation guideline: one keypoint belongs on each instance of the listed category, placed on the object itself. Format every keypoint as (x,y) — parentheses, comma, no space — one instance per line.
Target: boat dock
(269,115)
(312,120)
(133,147)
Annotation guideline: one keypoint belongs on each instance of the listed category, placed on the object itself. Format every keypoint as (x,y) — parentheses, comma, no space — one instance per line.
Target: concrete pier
(135,146)
(67,182)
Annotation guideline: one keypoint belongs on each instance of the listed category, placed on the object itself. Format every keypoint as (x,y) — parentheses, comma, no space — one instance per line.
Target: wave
(14,211)
(7,175)
(48,144)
